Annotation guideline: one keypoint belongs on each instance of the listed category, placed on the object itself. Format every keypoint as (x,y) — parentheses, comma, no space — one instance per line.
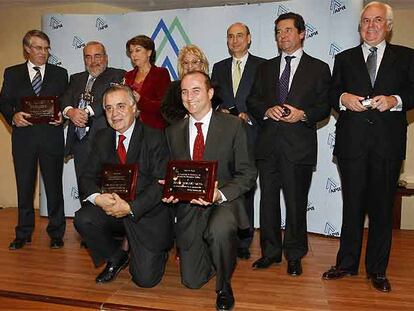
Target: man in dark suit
(35,143)
(234,78)
(207,231)
(289,96)
(87,118)
(146,222)
(373,86)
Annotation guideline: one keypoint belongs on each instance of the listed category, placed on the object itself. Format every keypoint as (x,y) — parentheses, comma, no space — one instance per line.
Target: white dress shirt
(243,62)
(33,72)
(294,63)
(380,54)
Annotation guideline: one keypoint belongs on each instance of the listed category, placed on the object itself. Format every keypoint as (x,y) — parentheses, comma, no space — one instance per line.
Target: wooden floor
(38,278)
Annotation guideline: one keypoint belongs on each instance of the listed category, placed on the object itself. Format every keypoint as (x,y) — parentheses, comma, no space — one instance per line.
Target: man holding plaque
(144,219)
(37,135)
(82,103)
(207,231)
(373,87)
(289,96)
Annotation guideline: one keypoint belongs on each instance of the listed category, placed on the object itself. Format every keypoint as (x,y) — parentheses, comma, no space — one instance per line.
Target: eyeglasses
(97,57)
(40,48)
(192,63)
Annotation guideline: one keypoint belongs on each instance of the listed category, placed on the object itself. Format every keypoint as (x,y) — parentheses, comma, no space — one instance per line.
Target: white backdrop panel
(331,26)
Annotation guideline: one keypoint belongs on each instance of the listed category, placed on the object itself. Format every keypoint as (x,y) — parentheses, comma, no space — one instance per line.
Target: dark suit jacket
(389,129)
(17,84)
(309,92)
(72,95)
(149,149)
(226,142)
(222,77)
(152,92)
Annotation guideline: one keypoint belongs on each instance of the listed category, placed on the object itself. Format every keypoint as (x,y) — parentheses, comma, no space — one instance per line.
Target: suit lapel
(245,77)
(228,74)
(185,134)
(46,79)
(274,74)
(360,63)
(134,144)
(387,62)
(214,131)
(300,74)
(26,77)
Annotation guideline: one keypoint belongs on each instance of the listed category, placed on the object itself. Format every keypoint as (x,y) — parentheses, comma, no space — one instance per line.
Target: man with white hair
(373,86)
(145,221)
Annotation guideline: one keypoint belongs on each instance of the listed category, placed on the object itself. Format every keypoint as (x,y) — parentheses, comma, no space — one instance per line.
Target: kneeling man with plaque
(207,236)
(122,195)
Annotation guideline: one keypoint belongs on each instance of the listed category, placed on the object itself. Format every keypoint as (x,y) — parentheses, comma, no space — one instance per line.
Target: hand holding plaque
(188,180)
(120,179)
(42,109)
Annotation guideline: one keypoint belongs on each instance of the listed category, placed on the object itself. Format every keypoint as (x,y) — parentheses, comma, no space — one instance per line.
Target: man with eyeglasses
(234,78)
(34,144)
(82,103)
(145,221)
(373,87)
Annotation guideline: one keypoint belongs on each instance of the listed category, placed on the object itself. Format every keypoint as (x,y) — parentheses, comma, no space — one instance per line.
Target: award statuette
(120,179)
(187,180)
(42,109)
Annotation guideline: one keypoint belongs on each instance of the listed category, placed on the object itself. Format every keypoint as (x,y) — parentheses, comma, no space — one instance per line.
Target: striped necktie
(37,81)
(284,81)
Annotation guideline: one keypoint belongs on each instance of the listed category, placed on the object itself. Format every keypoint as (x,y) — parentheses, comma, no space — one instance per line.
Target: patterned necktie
(81,131)
(284,81)
(121,149)
(372,64)
(236,76)
(198,149)
(37,81)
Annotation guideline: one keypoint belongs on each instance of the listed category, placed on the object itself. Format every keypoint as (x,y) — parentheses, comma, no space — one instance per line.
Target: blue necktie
(284,81)
(81,131)
(37,81)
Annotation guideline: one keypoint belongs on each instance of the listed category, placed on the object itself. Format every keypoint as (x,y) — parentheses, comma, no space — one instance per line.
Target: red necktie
(198,149)
(121,149)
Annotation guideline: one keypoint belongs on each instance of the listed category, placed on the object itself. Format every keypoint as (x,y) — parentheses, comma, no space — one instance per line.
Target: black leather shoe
(380,282)
(56,243)
(243,253)
(19,243)
(225,300)
(335,273)
(294,267)
(265,262)
(112,270)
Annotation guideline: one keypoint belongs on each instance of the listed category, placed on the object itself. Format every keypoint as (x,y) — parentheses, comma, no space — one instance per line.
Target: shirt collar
(128,132)
(30,65)
(242,59)
(298,54)
(205,120)
(380,46)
